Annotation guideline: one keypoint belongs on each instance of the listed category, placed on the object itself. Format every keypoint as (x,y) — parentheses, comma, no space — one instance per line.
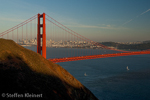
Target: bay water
(108,78)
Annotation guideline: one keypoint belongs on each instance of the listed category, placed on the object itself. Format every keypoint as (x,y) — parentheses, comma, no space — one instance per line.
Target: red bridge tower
(41,37)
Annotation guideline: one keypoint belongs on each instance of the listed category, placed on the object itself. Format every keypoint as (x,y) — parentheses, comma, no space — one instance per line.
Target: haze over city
(98,20)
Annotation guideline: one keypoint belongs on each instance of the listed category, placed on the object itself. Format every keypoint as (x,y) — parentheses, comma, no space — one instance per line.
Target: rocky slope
(26,74)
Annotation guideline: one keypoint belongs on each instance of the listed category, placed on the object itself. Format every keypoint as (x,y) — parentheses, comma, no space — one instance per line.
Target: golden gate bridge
(42,26)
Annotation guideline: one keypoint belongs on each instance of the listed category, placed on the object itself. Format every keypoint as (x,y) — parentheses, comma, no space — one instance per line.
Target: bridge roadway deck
(56,60)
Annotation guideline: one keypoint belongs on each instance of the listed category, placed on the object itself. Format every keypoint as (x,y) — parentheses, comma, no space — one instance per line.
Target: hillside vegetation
(24,71)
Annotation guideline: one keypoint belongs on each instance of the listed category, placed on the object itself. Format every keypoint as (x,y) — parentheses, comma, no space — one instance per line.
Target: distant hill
(24,71)
(143,46)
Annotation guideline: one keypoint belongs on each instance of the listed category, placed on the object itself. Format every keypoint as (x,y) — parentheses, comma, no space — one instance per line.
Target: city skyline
(48,41)
(118,21)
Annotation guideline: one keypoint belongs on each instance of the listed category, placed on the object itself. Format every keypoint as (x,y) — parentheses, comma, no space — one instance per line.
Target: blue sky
(99,20)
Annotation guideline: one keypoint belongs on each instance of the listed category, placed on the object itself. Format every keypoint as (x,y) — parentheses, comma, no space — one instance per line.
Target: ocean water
(108,78)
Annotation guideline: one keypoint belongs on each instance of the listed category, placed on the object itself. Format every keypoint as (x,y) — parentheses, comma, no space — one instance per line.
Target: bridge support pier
(41,44)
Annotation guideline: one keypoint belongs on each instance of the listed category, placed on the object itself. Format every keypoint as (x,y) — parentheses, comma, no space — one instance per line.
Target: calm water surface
(108,78)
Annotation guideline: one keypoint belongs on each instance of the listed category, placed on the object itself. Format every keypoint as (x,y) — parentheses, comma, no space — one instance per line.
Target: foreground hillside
(26,74)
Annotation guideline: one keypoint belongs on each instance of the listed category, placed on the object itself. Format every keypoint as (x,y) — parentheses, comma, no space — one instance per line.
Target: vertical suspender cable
(26,34)
(27,31)
(22,34)
(31,30)
(12,35)
(17,34)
